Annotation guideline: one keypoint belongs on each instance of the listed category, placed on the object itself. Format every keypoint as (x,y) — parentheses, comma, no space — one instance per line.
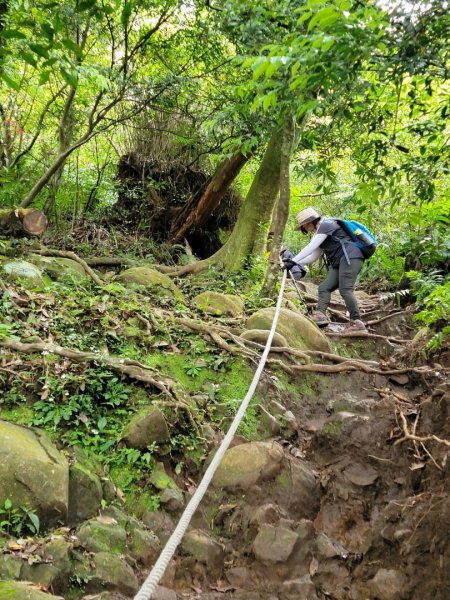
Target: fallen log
(23,220)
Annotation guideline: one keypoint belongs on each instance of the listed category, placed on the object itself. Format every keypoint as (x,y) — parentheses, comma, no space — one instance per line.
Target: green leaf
(13,34)
(44,77)
(71,78)
(7,504)
(126,14)
(71,45)
(10,82)
(35,521)
(324,17)
(39,50)
(260,69)
(86,5)
(29,58)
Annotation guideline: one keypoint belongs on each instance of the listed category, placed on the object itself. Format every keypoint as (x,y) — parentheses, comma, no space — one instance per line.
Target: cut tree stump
(26,220)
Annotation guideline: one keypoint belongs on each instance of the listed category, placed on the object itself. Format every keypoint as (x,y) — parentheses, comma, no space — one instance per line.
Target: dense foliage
(85,83)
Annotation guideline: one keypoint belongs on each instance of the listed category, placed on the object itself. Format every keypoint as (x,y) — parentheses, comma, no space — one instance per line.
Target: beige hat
(307,215)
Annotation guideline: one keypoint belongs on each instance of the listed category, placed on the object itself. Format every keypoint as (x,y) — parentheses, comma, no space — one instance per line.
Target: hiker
(343,258)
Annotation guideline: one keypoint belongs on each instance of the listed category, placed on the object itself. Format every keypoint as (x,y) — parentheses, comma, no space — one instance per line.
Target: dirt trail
(376,525)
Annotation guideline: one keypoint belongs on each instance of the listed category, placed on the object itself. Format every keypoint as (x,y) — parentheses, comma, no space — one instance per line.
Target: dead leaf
(417,465)
(106,520)
(313,566)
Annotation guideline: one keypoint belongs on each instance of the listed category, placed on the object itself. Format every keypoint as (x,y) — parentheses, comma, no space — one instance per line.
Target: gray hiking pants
(344,278)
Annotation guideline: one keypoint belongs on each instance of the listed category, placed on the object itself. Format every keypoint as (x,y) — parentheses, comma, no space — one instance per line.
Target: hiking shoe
(319,318)
(356,325)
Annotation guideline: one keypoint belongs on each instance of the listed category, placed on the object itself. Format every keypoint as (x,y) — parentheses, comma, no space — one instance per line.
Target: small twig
(380,458)
(364,334)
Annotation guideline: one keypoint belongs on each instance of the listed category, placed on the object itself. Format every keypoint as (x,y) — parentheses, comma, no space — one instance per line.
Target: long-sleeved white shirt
(312,251)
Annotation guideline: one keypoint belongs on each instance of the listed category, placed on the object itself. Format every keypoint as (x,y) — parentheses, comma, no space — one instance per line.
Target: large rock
(56,568)
(100,536)
(24,271)
(108,571)
(204,548)
(153,280)
(58,267)
(247,464)
(389,584)
(85,493)
(217,304)
(274,544)
(12,590)
(299,331)
(33,473)
(146,427)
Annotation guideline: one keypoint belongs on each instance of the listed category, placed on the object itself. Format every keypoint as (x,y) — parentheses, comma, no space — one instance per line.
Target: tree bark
(198,210)
(254,217)
(281,212)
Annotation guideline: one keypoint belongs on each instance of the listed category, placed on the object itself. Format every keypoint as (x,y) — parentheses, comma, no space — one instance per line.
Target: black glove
(299,273)
(289,264)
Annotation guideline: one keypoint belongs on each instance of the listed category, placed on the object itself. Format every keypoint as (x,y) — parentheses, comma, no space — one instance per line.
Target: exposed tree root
(110,261)
(73,256)
(365,334)
(407,435)
(385,318)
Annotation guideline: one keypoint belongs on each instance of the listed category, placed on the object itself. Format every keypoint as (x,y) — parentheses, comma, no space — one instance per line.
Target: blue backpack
(360,236)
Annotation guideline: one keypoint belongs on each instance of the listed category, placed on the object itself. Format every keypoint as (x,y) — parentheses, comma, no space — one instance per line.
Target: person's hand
(289,264)
(300,272)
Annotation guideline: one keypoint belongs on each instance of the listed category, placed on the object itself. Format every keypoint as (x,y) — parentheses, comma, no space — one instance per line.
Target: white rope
(149,585)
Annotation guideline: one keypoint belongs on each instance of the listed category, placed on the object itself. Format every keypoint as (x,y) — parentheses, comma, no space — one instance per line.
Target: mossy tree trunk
(281,211)
(249,236)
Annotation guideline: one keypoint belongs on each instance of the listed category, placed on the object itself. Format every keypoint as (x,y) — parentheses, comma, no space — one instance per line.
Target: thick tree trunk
(198,210)
(254,216)
(281,212)
(24,220)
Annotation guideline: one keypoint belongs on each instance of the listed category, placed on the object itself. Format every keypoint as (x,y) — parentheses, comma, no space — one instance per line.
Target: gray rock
(33,473)
(145,428)
(260,337)
(97,536)
(361,475)
(172,500)
(247,464)
(389,584)
(239,577)
(111,572)
(15,590)
(298,487)
(144,545)
(10,566)
(24,271)
(217,304)
(58,267)
(85,494)
(204,548)
(298,589)
(160,524)
(274,544)
(57,568)
(163,593)
(327,548)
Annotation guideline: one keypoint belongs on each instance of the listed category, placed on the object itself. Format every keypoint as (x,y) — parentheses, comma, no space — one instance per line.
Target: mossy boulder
(143,544)
(147,427)
(33,473)
(160,479)
(56,568)
(10,566)
(58,267)
(299,331)
(153,280)
(85,493)
(107,571)
(260,337)
(14,590)
(24,271)
(100,536)
(217,304)
(247,464)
